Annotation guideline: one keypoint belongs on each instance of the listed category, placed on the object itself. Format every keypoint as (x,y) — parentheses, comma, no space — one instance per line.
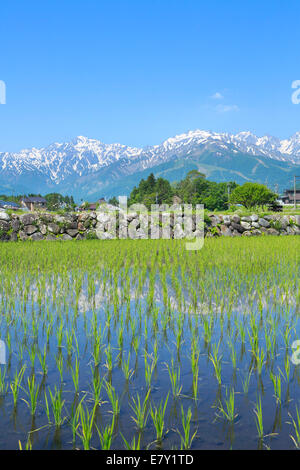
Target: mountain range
(89,169)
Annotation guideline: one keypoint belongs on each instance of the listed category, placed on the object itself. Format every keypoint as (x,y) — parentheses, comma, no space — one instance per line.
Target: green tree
(252,195)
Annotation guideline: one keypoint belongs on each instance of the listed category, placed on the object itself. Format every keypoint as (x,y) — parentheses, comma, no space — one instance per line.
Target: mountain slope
(88,168)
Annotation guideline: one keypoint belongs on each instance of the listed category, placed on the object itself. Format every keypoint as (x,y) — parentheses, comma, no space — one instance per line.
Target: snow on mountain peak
(83,155)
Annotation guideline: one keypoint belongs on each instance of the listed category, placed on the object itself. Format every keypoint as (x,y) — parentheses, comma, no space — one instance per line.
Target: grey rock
(4,216)
(236,219)
(246,225)
(15,225)
(43,229)
(226,220)
(238,227)
(66,237)
(14,237)
(37,236)
(71,225)
(226,231)
(4,226)
(28,219)
(79,237)
(72,232)
(103,218)
(264,223)
(54,228)
(215,220)
(23,236)
(30,229)
(51,237)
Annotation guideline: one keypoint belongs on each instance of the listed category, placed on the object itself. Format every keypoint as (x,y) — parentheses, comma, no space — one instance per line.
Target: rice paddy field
(142,344)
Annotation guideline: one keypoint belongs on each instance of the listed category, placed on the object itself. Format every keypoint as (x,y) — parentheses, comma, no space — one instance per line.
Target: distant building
(9,205)
(92,206)
(289,196)
(33,203)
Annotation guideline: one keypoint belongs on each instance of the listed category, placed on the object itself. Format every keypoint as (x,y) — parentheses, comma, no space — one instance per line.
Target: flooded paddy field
(128,344)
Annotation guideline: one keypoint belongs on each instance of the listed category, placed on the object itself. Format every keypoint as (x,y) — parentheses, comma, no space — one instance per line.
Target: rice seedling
(97,384)
(174,374)
(140,411)
(276,381)
(217,362)
(60,365)
(296,426)
(149,368)
(106,435)
(128,373)
(158,418)
(113,398)
(33,393)
(86,424)
(228,411)
(16,383)
(246,382)
(3,383)
(57,404)
(75,375)
(186,438)
(43,360)
(135,443)
(259,418)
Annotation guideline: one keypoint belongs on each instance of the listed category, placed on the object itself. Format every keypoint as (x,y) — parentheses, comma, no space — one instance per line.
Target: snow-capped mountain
(72,162)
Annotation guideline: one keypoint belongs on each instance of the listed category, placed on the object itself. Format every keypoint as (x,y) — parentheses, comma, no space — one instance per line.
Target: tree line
(196,189)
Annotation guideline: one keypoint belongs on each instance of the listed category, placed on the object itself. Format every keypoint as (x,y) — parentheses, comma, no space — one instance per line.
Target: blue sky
(138,72)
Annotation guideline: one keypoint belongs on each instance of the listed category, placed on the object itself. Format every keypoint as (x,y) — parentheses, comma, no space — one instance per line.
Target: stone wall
(103,225)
